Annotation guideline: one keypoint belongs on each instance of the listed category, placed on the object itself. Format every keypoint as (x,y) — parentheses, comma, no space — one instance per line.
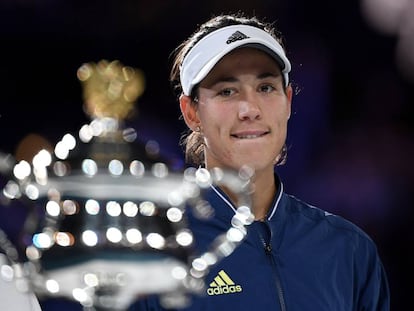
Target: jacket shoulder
(296,207)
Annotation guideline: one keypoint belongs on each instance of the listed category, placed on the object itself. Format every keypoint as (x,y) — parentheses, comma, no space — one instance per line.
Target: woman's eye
(226,92)
(267,88)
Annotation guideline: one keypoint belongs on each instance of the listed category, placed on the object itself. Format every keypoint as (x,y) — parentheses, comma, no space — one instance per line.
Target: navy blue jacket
(300,258)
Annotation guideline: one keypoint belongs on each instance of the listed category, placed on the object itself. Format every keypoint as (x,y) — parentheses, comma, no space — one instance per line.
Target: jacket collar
(219,201)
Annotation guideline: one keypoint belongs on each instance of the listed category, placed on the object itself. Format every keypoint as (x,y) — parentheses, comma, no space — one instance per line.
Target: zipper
(267,246)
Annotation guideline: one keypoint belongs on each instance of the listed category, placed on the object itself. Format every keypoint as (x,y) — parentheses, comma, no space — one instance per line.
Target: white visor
(209,50)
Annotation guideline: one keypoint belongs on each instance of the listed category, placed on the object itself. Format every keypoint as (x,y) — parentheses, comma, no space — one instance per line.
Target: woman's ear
(189,112)
(289,95)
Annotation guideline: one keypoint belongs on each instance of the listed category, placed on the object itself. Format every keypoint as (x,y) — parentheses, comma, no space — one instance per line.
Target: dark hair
(194,141)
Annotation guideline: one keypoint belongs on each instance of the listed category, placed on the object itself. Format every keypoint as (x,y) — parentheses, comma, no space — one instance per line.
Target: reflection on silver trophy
(108,218)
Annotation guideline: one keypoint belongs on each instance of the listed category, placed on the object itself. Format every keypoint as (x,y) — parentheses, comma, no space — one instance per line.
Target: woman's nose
(249,107)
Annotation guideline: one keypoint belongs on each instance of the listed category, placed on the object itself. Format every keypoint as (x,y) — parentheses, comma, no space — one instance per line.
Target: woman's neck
(264,186)
(263,193)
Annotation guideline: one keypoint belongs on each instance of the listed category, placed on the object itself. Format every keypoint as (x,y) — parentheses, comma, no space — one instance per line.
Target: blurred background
(350,138)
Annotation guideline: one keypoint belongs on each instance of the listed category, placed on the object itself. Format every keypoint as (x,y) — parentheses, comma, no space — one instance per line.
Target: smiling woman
(247,88)
(232,83)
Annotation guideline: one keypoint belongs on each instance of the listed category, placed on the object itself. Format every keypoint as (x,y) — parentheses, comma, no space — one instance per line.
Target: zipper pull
(268,248)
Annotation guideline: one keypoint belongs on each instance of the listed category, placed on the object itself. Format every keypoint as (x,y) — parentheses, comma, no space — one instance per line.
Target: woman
(232,81)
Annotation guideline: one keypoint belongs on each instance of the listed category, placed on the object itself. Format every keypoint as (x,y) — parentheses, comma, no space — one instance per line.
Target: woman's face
(243,111)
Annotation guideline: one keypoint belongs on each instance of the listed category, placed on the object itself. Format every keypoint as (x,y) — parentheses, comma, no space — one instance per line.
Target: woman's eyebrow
(221,79)
(226,79)
(269,75)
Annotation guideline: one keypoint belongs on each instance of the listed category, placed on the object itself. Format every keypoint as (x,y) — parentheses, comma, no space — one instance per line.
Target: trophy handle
(15,290)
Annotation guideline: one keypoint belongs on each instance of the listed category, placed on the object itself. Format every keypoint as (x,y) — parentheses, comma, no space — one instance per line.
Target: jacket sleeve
(372,292)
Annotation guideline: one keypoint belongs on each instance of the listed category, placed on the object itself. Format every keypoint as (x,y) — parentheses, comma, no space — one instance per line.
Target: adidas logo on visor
(236,36)
(223,284)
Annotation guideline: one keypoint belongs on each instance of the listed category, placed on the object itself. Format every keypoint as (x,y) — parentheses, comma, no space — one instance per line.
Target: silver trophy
(108,220)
